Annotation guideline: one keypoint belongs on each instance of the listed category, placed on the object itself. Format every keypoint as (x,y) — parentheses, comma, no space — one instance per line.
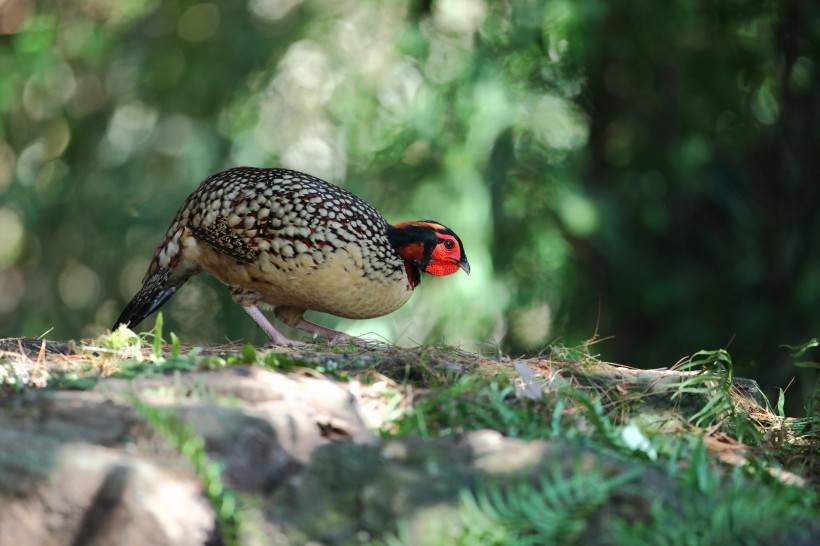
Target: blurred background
(644,173)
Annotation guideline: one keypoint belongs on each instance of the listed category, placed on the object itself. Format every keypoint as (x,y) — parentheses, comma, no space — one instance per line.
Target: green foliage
(607,433)
(176,346)
(135,370)
(122,343)
(713,384)
(248,354)
(800,350)
(222,499)
(10,381)
(709,508)
(157,354)
(156,361)
(476,402)
(470,403)
(811,424)
(555,511)
(731,509)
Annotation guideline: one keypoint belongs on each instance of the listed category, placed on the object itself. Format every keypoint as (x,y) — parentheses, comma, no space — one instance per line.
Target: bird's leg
(276,337)
(333,335)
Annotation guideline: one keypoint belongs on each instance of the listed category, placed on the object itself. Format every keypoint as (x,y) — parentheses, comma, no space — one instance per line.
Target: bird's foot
(287,342)
(276,337)
(335,337)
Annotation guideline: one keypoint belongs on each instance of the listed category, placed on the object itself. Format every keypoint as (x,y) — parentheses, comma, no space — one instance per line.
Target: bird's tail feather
(150,297)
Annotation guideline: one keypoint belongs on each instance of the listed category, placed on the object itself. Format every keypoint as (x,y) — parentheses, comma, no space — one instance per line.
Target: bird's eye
(448,244)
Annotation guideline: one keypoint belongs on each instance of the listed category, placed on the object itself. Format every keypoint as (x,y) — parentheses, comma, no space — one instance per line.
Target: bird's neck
(412,254)
(407,240)
(413,273)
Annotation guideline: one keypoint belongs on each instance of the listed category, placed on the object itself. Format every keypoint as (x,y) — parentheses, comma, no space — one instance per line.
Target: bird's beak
(465,265)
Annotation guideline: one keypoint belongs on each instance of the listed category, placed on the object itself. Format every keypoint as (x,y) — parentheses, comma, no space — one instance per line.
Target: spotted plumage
(296,243)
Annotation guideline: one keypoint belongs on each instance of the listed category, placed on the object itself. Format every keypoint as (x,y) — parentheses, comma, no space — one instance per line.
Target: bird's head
(429,246)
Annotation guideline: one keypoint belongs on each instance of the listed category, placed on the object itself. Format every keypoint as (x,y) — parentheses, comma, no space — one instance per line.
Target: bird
(291,241)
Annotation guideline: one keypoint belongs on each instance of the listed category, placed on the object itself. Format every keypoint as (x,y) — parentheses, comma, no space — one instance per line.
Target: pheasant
(296,243)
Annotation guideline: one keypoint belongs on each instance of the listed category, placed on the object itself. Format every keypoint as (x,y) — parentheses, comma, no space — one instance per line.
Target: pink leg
(332,335)
(276,337)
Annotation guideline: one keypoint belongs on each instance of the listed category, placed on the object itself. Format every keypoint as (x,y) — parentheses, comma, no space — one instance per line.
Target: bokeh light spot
(13,13)
(132,275)
(172,134)
(44,95)
(12,289)
(314,153)
(556,122)
(199,22)
(7,163)
(78,285)
(579,215)
(464,16)
(11,228)
(271,10)
(765,106)
(131,127)
(801,75)
(89,96)
(531,326)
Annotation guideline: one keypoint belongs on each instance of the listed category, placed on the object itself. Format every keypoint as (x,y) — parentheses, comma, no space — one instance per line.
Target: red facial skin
(445,258)
(445,261)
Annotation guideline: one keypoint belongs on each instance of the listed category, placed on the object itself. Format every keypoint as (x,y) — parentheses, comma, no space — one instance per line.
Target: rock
(84,468)
(92,495)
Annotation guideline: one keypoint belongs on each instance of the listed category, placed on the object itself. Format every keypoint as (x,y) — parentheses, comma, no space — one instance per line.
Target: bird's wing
(222,238)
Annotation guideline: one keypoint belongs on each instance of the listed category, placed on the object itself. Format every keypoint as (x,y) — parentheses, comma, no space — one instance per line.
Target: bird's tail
(154,292)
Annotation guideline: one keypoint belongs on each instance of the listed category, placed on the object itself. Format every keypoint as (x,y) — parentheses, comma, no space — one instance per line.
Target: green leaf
(799,350)
(158,337)
(176,349)
(248,354)
(555,424)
